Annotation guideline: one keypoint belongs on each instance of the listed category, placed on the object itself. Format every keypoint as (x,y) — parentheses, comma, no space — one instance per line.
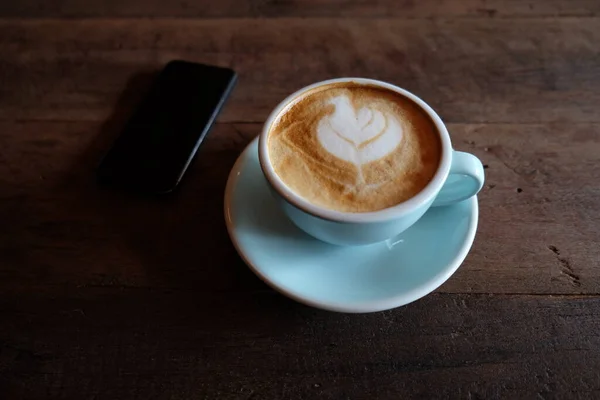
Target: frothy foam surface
(354,148)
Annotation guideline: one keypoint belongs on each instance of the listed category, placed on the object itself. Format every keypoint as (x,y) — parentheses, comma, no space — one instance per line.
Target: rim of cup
(426,195)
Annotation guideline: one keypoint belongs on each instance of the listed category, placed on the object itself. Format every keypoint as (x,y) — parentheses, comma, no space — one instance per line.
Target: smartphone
(160,140)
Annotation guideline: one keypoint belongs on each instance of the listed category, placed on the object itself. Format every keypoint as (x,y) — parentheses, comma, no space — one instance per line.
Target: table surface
(108,296)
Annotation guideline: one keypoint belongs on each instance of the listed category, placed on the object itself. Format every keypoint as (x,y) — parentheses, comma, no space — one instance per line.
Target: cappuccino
(354,148)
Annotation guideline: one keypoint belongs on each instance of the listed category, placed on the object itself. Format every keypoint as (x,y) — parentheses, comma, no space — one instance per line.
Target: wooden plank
(152,344)
(299,8)
(538,229)
(470,70)
(538,210)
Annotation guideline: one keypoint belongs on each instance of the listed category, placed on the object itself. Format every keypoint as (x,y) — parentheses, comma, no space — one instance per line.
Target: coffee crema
(353,147)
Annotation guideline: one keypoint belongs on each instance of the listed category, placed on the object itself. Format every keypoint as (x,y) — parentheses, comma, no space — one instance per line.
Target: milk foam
(358,136)
(354,148)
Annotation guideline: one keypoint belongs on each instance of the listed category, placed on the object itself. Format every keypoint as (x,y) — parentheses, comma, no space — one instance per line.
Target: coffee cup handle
(465,179)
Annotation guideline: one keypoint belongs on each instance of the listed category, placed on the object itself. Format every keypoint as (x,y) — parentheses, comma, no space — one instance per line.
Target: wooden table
(107,296)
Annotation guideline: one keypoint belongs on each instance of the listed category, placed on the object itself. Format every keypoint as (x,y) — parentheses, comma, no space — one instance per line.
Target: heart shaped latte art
(359,136)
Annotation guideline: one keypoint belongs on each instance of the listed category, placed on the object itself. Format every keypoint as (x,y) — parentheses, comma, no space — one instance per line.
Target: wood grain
(105,295)
(108,343)
(299,8)
(471,70)
(538,229)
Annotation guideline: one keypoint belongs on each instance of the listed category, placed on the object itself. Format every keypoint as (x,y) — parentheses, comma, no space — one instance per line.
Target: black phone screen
(162,137)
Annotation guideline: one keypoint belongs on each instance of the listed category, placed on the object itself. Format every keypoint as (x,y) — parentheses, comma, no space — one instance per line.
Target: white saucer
(346,279)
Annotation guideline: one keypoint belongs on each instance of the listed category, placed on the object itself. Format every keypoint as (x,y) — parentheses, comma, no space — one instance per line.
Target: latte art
(359,136)
(354,148)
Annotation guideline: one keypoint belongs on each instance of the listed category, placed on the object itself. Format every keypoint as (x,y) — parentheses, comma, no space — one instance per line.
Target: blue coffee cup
(459,176)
